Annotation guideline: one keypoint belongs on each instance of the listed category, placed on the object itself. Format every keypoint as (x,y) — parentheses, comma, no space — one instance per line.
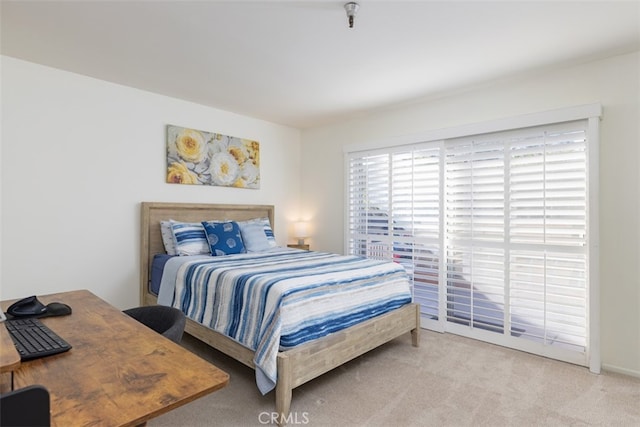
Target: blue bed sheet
(157,266)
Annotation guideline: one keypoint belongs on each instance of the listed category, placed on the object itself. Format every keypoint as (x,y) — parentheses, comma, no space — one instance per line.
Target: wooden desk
(119,372)
(9,356)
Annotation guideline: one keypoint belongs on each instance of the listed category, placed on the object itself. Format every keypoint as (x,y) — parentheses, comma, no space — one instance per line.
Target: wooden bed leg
(415,333)
(283,389)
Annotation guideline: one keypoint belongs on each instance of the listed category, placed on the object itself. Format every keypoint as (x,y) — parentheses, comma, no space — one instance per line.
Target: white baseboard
(619,370)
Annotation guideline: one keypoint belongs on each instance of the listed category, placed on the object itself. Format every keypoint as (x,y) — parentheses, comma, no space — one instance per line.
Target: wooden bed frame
(295,366)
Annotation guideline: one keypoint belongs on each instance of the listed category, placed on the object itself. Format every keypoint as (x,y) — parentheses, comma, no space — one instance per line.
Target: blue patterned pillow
(224,237)
(190,238)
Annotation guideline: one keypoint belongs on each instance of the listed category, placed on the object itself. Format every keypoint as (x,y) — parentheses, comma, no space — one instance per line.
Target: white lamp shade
(300,229)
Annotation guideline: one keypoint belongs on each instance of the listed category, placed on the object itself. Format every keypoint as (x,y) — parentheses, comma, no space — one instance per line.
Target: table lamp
(300,230)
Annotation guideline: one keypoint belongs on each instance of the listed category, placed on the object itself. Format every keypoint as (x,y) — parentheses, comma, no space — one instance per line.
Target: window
(492,227)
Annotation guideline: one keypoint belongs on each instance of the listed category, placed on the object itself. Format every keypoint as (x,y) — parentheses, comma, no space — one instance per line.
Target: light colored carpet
(447,381)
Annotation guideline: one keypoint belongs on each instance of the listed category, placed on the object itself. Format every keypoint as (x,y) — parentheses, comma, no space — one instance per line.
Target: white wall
(78,157)
(613,82)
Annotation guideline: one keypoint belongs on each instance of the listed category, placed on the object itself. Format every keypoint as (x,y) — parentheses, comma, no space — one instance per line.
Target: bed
(298,364)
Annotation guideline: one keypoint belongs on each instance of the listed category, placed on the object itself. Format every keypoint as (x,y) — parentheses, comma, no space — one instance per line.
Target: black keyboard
(33,339)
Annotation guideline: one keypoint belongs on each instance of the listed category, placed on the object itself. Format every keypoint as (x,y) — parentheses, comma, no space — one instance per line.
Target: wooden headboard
(154,212)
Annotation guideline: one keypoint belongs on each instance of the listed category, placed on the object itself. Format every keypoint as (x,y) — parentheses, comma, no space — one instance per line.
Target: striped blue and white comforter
(274,300)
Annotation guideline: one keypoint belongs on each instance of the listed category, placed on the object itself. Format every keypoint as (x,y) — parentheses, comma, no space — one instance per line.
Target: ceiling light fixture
(352,9)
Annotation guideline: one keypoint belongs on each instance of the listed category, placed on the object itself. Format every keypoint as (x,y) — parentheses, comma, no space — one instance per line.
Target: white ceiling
(297,63)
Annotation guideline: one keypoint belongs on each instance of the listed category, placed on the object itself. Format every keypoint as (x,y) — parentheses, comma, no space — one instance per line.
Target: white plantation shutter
(548,227)
(369,176)
(426,231)
(474,182)
(492,228)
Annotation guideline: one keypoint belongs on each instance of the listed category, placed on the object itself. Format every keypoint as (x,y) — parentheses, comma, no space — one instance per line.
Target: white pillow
(167,238)
(190,238)
(254,237)
(266,227)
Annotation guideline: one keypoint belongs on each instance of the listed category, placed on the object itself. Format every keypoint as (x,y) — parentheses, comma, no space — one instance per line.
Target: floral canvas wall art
(206,158)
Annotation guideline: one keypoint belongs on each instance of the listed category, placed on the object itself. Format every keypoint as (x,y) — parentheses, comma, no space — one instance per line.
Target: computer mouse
(58,309)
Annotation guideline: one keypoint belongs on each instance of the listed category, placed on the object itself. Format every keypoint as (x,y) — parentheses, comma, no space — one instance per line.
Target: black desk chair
(29,406)
(167,321)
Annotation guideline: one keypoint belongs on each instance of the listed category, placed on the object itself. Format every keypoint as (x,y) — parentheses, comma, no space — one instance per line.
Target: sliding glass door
(492,228)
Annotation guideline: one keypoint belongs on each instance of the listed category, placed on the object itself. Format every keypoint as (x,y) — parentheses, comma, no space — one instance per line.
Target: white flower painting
(205,158)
